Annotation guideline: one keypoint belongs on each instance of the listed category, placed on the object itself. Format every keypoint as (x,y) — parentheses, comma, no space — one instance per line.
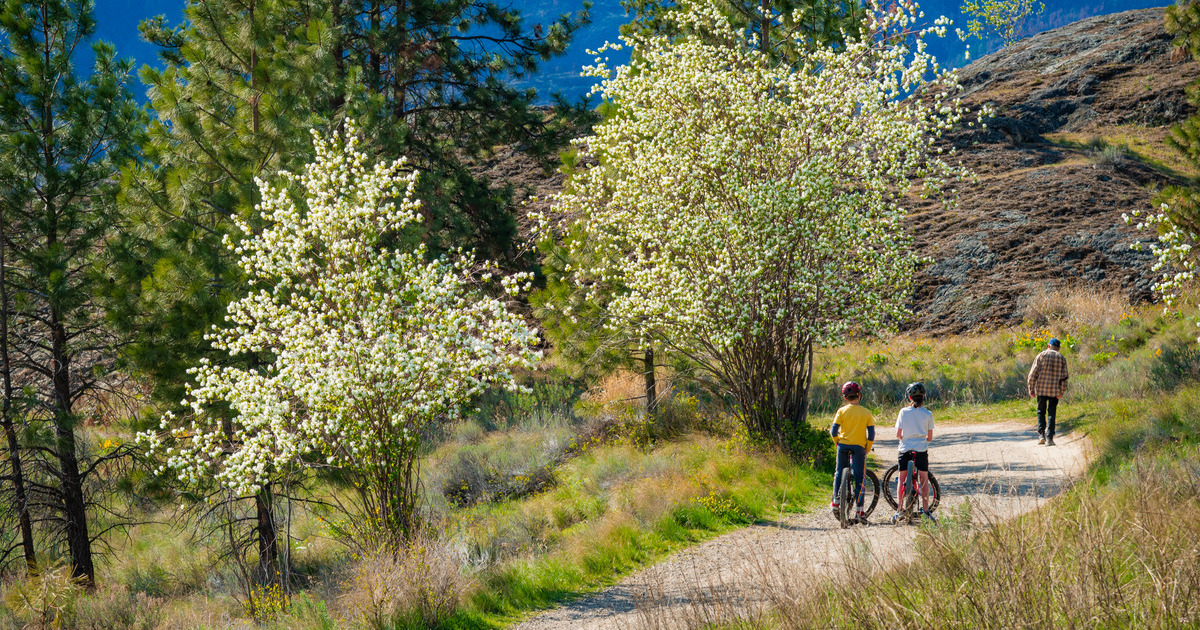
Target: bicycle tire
(872,499)
(844,499)
(935,490)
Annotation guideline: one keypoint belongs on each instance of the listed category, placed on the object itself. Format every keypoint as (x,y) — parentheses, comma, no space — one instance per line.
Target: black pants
(1047,408)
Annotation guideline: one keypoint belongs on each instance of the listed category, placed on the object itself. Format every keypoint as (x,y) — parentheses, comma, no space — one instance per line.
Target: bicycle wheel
(935,493)
(871,492)
(845,510)
(887,485)
(935,496)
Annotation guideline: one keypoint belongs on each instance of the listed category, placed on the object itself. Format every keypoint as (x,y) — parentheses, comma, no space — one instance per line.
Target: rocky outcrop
(1047,211)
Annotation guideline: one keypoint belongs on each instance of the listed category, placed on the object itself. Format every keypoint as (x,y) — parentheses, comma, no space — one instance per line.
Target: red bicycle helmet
(851,389)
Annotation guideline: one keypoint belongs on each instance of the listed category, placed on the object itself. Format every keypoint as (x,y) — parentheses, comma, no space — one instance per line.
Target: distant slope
(1046,211)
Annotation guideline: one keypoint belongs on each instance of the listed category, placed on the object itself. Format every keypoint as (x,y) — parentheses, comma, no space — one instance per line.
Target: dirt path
(998,467)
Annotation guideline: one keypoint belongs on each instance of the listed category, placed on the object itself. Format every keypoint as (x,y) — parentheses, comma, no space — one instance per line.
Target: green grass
(1145,145)
(624,509)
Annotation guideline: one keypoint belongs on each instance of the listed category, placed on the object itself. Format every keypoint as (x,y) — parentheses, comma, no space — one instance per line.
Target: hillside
(1081,114)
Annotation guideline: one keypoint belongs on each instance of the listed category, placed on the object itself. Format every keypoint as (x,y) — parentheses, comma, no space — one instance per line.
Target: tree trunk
(376,55)
(339,61)
(20,498)
(651,386)
(268,536)
(74,507)
(765,28)
(399,73)
(79,544)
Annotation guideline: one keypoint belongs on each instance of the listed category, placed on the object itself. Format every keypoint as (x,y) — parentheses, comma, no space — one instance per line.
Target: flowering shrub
(750,210)
(362,346)
(266,603)
(1037,340)
(1175,251)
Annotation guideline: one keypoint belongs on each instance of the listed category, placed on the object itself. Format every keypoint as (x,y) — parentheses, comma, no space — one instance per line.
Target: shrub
(1106,154)
(473,479)
(421,585)
(1178,363)
(115,607)
(45,599)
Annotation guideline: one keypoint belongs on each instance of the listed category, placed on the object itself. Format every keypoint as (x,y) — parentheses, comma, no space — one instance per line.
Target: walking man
(1048,382)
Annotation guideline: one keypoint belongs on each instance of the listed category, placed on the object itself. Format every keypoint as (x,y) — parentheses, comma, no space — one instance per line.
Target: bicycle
(846,504)
(911,497)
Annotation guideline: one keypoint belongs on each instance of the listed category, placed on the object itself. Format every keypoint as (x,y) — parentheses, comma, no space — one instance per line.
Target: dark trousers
(1047,408)
(856,458)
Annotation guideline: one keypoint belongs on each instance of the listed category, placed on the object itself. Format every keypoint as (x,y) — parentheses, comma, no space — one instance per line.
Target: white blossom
(360,346)
(744,202)
(1173,251)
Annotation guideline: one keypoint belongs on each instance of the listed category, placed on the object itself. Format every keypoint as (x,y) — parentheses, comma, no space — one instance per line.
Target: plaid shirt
(1048,375)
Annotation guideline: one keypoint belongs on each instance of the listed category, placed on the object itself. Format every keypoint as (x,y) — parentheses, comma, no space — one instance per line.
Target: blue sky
(118,21)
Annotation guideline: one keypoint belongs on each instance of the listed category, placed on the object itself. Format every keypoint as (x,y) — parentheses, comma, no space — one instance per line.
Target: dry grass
(52,599)
(1078,306)
(420,586)
(618,388)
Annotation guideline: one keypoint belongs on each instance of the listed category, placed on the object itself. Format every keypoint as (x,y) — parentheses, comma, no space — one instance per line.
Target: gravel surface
(998,467)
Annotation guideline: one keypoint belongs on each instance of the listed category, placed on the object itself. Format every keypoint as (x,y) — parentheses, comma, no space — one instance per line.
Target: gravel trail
(997,466)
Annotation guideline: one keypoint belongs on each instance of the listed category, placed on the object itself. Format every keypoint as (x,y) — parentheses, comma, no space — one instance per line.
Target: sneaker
(1041,440)
(861,516)
(895,518)
(1050,441)
(929,515)
(833,507)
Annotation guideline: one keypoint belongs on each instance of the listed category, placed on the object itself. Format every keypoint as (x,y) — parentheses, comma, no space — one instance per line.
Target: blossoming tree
(1175,247)
(369,345)
(752,209)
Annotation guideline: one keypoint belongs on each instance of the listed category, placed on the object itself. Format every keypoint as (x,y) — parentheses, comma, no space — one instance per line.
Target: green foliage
(1003,18)
(577,320)
(62,136)
(1182,22)
(818,22)
(1178,363)
(245,80)
(234,102)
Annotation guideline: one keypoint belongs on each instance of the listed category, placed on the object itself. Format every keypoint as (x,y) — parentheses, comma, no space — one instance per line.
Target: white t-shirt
(914,423)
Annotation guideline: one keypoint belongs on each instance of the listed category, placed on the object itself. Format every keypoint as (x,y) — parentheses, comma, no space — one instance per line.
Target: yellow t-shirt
(852,421)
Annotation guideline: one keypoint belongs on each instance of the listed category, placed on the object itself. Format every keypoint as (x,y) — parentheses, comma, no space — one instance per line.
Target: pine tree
(10,407)
(1183,22)
(578,323)
(64,136)
(438,78)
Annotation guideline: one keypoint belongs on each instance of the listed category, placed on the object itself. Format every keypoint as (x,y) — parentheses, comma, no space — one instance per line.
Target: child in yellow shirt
(853,431)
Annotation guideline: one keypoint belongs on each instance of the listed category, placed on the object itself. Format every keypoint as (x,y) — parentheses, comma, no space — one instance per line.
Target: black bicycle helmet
(915,389)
